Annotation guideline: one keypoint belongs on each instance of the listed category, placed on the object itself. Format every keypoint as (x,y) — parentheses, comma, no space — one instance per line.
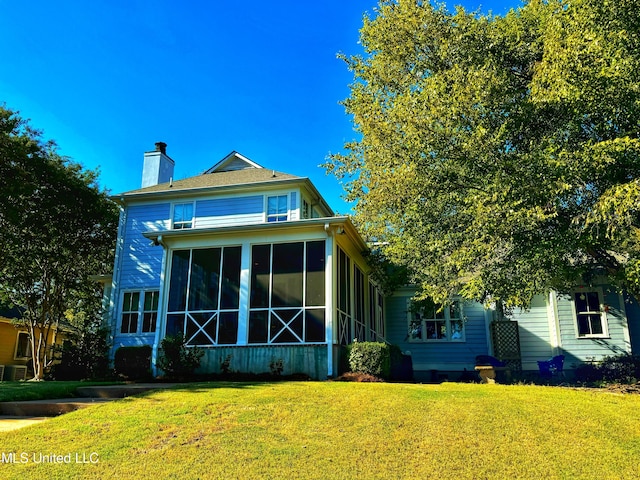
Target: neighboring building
(252,265)
(14,342)
(15,347)
(585,326)
(248,263)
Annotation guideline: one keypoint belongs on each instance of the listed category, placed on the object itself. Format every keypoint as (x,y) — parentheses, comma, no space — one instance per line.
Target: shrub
(373,358)
(85,357)
(176,359)
(622,368)
(134,363)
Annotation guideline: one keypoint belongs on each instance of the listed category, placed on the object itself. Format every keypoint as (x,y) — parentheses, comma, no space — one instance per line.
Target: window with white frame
(590,314)
(139,312)
(23,347)
(278,208)
(183,215)
(437,324)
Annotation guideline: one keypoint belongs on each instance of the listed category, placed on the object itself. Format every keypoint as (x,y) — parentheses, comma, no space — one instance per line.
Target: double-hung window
(139,312)
(278,208)
(445,324)
(591,320)
(183,215)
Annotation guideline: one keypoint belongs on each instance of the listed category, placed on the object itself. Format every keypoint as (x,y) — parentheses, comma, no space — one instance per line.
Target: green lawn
(339,430)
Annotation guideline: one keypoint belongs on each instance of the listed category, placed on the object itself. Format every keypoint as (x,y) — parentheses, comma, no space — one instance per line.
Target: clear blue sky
(108,79)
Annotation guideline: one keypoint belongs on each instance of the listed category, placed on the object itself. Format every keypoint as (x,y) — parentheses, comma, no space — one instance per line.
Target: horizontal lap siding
(579,350)
(229,211)
(533,329)
(141,261)
(454,356)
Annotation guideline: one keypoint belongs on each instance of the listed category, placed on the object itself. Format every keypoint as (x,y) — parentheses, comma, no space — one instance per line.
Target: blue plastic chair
(553,366)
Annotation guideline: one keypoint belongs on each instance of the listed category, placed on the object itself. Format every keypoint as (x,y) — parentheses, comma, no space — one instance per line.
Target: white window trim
(266,206)
(447,320)
(215,312)
(603,313)
(270,309)
(193,215)
(141,311)
(15,351)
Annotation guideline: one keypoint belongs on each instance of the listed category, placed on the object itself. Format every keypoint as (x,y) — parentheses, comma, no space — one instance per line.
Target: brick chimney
(158,167)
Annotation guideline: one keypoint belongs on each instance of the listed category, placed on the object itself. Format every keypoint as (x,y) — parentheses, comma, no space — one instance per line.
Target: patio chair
(553,366)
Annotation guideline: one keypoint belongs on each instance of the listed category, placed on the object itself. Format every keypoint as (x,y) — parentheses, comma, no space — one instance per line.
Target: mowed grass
(327,430)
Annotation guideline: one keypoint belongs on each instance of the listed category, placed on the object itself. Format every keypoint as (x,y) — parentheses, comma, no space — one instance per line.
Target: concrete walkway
(14,415)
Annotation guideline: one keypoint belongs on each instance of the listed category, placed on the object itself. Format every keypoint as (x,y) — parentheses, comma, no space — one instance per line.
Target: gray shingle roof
(219,179)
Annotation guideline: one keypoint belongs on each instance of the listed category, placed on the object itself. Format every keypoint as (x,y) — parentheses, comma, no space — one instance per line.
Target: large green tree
(57,227)
(499,156)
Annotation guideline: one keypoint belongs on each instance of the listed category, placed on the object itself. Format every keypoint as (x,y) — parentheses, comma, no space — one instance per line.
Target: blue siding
(449,356)
(533,328)
(229,211)
(141,262)
(578,350)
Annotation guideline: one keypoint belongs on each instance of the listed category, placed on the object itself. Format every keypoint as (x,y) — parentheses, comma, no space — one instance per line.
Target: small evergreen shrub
(622,368)
(373,358)
(134,363)
(176,359)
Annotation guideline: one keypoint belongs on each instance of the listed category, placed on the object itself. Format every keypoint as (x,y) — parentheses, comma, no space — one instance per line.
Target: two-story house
(248,263)
(252,265)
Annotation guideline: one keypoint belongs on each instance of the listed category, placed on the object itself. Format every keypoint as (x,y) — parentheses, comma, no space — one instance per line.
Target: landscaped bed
(340,430)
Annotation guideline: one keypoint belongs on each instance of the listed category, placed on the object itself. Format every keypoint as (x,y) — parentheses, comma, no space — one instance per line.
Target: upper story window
(591,318)
(306,210)
(277,208)
(183,215)
(445,324)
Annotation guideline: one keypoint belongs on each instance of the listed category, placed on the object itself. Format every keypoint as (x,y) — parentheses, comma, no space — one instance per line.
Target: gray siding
(450,356)
(229,211)
(579,350)
(305,359)
(533,328)
(141,261)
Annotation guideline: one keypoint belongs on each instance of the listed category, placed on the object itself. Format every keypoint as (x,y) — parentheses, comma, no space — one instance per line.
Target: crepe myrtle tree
(498,156)
(57,227)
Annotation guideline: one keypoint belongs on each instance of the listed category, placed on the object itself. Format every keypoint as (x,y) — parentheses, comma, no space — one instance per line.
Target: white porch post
(243,313)
(330,295)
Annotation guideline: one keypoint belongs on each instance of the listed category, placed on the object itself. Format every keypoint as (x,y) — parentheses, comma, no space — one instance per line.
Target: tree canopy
(57,227)
(499,156)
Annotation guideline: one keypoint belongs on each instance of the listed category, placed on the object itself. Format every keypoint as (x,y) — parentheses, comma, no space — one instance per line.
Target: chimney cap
(161,147)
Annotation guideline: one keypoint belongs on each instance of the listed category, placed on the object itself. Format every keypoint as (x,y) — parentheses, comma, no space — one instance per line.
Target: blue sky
(108,79)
